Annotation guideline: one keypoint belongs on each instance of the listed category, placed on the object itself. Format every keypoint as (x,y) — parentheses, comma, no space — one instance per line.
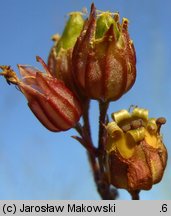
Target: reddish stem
(96,156)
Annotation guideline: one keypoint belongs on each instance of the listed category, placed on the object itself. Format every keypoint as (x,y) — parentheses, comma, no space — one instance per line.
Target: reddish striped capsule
(56,107)
(104,59)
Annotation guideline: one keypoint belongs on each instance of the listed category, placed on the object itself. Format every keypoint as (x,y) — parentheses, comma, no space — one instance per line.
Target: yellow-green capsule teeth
(136,135)
(125,23)
(113,130)
(152,126)
(120,116)
(71,32)
(116,17)
(140,113)
(104,22)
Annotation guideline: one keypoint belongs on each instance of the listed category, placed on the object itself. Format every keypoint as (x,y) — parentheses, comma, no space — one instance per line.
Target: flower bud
(136,157)
(60,56)
(104,60)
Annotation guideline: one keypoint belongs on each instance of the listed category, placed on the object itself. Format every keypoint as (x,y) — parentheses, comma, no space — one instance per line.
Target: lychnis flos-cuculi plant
(95,59)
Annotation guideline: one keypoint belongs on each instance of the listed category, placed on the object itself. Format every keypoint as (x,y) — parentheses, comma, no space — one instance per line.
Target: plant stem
(104,189)
(96,155)
(102,132)
(86,119)
(92,157)
(135,194)
(103,106)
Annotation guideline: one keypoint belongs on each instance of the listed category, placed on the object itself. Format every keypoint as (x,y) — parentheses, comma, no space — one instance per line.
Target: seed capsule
(136,159)
(104,61)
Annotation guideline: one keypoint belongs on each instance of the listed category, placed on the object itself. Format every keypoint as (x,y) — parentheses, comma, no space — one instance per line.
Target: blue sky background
(38,164)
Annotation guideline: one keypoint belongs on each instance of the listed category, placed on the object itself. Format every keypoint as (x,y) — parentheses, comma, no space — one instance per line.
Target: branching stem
(96,155)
